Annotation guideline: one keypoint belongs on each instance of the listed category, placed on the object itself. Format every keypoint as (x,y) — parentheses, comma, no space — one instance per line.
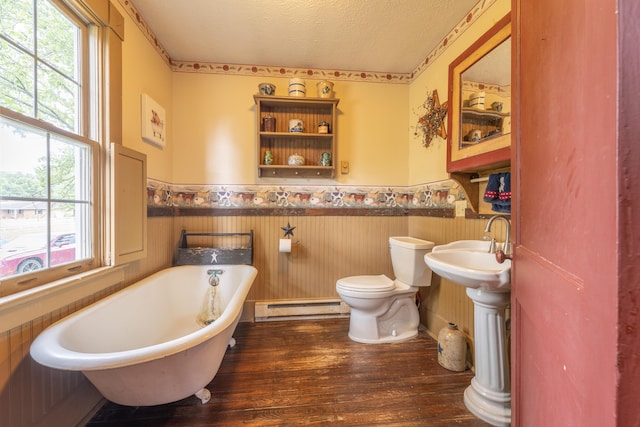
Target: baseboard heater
(300,309)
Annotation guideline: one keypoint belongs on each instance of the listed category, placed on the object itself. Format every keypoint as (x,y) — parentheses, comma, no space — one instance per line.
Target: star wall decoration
(288,230)
(431,122)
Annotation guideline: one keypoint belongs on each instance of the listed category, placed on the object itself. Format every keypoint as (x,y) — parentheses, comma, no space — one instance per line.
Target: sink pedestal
(489,395)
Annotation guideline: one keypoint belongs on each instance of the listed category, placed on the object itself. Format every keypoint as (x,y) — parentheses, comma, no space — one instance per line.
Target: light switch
(461,207)
(344,167)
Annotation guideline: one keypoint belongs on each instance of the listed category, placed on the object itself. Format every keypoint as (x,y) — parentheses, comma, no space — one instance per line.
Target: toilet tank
(407,258)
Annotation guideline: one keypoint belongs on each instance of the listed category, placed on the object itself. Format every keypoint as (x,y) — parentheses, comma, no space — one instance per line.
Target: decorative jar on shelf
(296,125)
(325,89)
(452,348)
(267,89)
(268,157)
(325,159)
(269,123)
(323,127)
(297,87)
(295,160)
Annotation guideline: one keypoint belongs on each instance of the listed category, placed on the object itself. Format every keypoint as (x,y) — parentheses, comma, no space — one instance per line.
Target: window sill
(23,307)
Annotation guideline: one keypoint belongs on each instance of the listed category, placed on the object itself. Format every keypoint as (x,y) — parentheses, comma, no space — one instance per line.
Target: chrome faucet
(214,276)
(506,247)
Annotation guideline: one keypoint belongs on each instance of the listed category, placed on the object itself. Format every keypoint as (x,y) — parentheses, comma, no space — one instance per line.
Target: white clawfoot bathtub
(144,345)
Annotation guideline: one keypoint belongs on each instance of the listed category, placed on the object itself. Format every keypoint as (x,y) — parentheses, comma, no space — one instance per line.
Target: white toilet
(384,310)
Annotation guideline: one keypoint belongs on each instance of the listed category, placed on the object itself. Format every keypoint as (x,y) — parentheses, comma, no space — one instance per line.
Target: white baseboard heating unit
(300,309)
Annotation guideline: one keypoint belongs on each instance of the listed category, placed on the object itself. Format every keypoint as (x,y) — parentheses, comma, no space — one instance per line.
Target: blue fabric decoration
(493,188)
(498,192)
(505,187)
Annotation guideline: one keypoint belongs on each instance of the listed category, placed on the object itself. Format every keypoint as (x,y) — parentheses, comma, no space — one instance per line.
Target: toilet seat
(380,283)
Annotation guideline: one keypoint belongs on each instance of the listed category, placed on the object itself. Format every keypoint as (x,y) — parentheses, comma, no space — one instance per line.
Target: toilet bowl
(384,310)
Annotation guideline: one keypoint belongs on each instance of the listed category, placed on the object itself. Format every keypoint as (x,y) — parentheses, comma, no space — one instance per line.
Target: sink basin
(468,263)
(470,245)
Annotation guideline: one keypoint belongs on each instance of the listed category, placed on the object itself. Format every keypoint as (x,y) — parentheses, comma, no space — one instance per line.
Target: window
(48,149)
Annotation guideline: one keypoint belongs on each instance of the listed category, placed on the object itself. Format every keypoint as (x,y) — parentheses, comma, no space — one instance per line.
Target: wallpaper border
(434,199)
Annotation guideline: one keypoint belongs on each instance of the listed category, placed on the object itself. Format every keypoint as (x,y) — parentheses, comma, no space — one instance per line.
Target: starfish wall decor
(288,230)
(431,122)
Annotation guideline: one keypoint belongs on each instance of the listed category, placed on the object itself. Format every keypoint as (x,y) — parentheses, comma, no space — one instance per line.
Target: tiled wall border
(426,199)
(268,71)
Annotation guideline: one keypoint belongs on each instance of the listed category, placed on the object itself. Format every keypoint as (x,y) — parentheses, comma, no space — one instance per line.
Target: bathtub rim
(47,350)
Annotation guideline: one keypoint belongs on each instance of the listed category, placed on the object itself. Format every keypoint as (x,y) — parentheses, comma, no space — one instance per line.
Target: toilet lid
(367,283)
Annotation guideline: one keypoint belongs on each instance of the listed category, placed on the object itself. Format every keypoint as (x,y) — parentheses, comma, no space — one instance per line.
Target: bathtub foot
(204,395)
(232,342)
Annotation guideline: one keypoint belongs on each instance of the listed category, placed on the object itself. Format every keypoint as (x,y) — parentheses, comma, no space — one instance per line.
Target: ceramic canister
(325,89)
(269,123)
(452,348)
(296,125)
(295,160)
(476,100)
(267,89)
(323,127)
(325,159)
(297,87)
(268,157)
(474,135)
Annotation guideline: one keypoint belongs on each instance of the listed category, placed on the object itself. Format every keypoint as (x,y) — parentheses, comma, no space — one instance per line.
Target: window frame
(91,128)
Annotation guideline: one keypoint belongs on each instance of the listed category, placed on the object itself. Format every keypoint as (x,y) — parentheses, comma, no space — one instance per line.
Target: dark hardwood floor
(309,372)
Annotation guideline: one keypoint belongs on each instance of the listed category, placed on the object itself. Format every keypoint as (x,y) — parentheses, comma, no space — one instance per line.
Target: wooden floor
(309,372)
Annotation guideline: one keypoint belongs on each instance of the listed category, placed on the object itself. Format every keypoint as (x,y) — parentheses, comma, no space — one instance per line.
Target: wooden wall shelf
(310,144)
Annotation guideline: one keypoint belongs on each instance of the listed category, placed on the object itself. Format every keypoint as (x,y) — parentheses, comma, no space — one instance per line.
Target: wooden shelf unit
(310,144)
(484,120)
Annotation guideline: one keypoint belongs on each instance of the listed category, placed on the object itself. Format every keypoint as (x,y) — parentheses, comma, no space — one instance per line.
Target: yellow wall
(214,130)
(211,126)
(144,71)
(430,164)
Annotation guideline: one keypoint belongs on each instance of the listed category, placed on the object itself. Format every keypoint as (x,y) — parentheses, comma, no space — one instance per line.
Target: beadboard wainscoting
(325,248)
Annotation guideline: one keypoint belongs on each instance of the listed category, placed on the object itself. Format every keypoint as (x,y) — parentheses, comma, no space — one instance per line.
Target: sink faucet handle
(493,246)
(502,257)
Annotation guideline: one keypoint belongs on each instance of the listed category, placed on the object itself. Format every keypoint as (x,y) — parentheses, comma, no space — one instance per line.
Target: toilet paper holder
(284,246)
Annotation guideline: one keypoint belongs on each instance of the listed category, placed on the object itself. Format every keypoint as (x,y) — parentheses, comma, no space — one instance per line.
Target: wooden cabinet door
(128,237)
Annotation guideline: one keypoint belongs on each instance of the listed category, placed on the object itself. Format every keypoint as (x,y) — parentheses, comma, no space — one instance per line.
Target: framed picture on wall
(154,121)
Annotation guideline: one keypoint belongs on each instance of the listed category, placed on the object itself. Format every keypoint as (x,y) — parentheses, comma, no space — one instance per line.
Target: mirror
(479,116)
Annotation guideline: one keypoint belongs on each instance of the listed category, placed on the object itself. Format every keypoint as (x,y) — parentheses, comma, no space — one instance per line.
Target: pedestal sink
(469,264)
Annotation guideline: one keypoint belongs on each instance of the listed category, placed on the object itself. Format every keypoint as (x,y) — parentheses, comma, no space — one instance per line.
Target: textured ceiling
(368,35)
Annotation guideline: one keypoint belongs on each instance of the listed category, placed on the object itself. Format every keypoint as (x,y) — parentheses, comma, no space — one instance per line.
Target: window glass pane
(76,219)
(63,248)
(67,170)
(16,22)
(57,99)
(23,236)
(38,230)
(57,39)
(23,153)
(63,185)
(25,249)
(16,79)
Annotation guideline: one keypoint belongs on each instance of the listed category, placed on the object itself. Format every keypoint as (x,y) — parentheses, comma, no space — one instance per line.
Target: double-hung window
(49,128)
